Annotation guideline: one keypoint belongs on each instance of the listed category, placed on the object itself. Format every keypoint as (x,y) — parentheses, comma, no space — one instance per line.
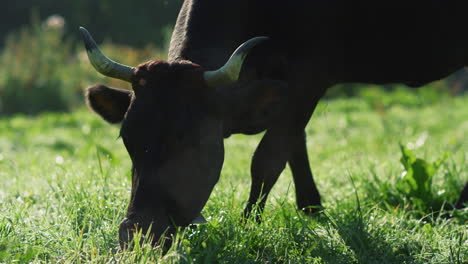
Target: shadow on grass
(370,246)
(369,241)
(293,237)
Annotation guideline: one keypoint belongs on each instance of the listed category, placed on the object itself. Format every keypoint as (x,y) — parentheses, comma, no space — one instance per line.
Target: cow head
(172,127)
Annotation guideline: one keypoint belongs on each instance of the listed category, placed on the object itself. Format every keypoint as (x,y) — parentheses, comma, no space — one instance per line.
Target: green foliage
(404,96)
(416,181)
(43,71)
(31,73)
(382,97)
(415,190)
(137,23)
(418,191)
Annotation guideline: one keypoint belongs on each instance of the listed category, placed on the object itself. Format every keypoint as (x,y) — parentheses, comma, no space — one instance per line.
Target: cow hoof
(313,210)
(126,230)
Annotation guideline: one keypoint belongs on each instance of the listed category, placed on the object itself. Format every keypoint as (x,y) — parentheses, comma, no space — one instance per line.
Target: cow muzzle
(132,231)
(127,231)
(148,231)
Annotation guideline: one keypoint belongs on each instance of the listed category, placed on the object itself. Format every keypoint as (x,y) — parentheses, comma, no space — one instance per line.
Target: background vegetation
(115,20)
(44,70)
(44,67)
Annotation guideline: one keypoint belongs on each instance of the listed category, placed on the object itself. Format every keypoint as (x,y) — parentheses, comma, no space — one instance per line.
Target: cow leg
(307,195)
(268,162)
(278,144)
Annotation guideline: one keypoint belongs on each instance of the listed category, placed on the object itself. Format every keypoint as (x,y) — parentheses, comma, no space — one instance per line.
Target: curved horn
(229,73)
(103,64)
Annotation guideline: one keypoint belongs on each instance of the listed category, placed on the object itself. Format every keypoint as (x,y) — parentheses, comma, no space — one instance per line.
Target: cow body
(174,122)
(314,45)
(359,41)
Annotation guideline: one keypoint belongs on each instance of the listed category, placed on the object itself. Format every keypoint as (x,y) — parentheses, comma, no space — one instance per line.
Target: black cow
(174,121)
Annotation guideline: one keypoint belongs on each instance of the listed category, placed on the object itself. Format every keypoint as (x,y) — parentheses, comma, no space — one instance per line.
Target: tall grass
(65,183)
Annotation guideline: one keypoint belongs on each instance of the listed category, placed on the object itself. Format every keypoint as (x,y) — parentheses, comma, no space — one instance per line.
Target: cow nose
(126,230)
(147,228)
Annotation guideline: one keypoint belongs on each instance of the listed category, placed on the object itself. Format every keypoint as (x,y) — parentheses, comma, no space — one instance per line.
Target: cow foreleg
(268,162)
(307,195)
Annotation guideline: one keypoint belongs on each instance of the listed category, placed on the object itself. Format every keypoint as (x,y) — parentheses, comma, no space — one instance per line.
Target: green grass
(65,181)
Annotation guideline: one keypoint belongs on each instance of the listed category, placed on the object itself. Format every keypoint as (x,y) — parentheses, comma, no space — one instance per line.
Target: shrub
(385,96)
(415,189)
(30,75)
(416,181)
(43,71)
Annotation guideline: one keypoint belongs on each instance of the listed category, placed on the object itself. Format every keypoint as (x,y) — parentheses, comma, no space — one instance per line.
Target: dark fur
(110,103)
(314,45)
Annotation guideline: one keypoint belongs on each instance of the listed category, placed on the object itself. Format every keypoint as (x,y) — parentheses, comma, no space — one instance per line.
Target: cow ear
(110,103)
(255,104)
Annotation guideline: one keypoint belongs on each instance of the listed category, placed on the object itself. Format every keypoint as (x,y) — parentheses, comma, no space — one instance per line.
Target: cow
(174,120)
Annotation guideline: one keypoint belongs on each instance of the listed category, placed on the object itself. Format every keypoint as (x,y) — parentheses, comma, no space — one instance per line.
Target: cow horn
(229,73)
(103,64)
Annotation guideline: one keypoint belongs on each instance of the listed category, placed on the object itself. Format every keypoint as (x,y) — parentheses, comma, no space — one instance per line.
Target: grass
(65,181)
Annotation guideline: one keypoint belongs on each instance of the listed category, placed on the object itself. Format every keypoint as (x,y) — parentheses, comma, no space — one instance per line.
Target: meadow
(65,185)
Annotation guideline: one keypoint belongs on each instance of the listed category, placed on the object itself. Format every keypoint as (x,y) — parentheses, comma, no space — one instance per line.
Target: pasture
(65,185)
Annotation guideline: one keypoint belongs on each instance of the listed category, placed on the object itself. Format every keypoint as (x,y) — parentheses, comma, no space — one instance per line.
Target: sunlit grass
(65,180)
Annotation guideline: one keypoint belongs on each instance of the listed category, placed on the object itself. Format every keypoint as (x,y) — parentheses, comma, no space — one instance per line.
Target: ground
(65,180)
